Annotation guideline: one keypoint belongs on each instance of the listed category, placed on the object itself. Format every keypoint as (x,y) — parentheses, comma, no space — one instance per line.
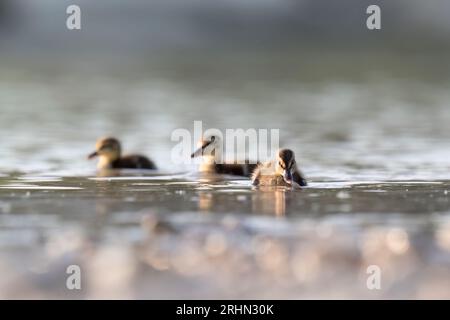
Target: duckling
(109,151)
(209,165)
(282,172)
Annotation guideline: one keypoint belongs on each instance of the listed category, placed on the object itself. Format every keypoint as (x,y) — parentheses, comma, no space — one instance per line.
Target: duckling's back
(245,170)
(270,180)
(133,162)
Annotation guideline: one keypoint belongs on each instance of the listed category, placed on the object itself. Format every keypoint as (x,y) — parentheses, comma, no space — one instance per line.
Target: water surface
(374,146)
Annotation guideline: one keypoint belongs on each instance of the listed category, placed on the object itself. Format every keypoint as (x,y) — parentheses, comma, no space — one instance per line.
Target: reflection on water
(160,236)
(270,200)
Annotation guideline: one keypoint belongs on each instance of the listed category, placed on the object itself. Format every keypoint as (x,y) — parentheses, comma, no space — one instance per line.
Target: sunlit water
(376,152)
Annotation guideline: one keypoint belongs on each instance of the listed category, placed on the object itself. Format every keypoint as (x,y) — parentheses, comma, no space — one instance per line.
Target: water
(373,144)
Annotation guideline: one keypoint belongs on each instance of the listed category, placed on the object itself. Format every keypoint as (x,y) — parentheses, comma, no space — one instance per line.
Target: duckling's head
(108,149)
(209,147)
(286,165)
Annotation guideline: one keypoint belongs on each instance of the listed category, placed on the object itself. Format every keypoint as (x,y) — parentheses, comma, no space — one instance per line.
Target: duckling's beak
(93,155)
(287,176)
(199,151)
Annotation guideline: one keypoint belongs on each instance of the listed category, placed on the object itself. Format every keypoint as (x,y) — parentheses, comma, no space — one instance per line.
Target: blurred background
(366,111)
(142,27)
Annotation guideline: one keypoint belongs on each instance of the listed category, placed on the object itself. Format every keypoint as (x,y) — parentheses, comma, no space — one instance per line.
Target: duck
(209,149)
(109,151)
(281,172)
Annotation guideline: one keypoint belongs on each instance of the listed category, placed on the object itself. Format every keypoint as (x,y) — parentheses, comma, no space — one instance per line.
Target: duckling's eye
(281,165)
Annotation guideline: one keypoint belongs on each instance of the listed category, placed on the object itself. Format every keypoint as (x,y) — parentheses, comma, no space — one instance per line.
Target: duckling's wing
(259,170)
(245,170)
(135,162)
(231,168)
(255,175)
(250,168)
(299,178)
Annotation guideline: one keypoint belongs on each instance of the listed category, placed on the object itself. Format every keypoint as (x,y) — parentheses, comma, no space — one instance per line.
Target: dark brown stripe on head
(108,141)
(286,154)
